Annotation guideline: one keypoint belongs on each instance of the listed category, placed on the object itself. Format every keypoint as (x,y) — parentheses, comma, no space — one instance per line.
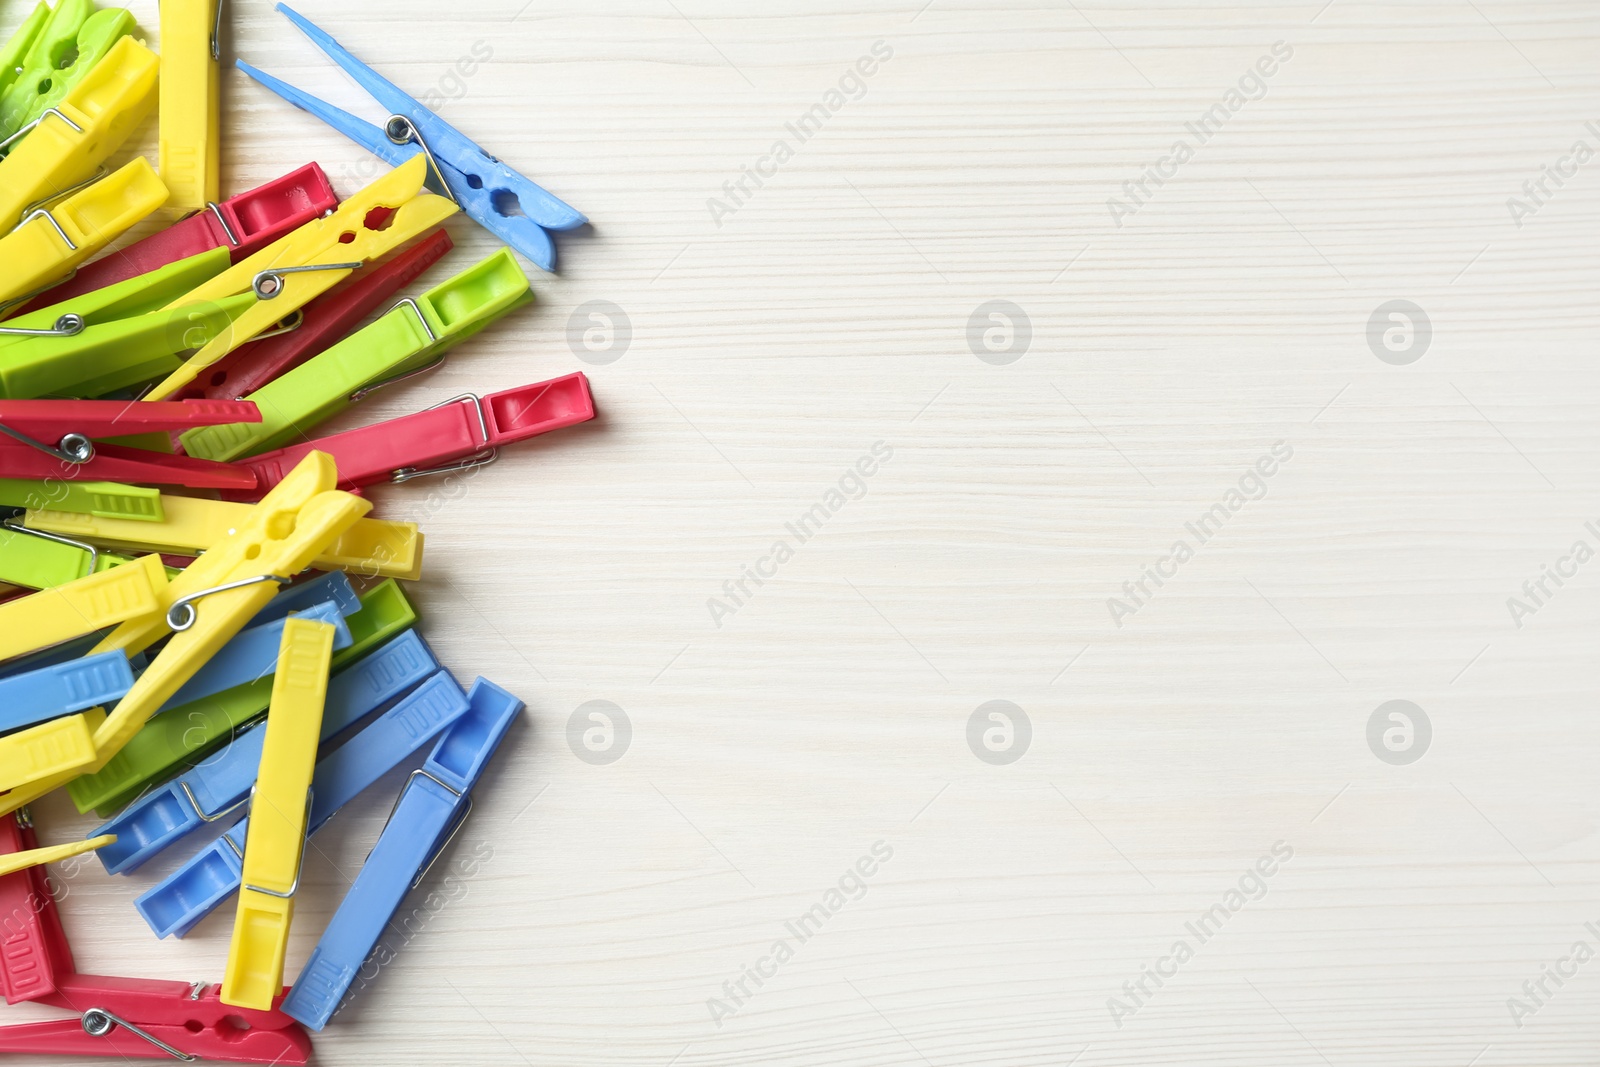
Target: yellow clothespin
(106,598)
(64,148)
(210,602)
(279,808)
(50,243)
(311,260)
(21,861)
(187,153)
(49,752)
(373,548)
(240,574)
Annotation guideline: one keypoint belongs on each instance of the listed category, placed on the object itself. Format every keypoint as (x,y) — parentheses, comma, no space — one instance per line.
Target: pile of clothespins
(181,641)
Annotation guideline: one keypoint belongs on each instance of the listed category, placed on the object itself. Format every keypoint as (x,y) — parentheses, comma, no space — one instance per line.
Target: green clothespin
(16,48)
(412,337)
(103,500)
(36,560)
(66,47)
(114,337)
(191,731)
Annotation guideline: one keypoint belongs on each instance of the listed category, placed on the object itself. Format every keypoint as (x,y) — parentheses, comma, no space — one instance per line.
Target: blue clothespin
(502,201)
(189,894)
(222,782)
(432,807)
(62,653)
(252,654)
(58,689)
(332,586)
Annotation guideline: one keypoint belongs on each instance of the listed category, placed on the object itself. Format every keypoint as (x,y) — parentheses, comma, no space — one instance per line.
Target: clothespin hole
(506,203)
(474,181)
(378,218)
(346,237)
(44,86)
(218,378)
(252,551)
(66,54)
(280,525)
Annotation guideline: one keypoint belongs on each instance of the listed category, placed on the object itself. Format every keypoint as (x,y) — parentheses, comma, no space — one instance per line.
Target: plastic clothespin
(59,689)
(131,591)
(21,861)
(33,946)
(230,582)
(410,339)
(291,271)
(253,654)
(17,45)
(50,242)
(65,147)
(103,340)
(333,587)
(34,560)
(45,752)
(107,500)
(431,808)
(241,224)
(499,199)
(64,439)
(458,434)
(185,732)
(221,783)
(188,152)
(76,648)
(147,1018)
(373,548)
(323,321)
(129,1017)
(280,806)
(176,904)
(68,47)
(209,602)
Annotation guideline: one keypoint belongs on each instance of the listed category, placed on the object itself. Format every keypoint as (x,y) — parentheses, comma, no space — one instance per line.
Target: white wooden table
(1148,355)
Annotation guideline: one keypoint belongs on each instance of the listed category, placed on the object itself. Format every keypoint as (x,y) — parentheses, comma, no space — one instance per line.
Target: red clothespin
(148,1018)
(460,433)
(62,439)
(245,223)
(140,1018)
(33,946)
(322,322)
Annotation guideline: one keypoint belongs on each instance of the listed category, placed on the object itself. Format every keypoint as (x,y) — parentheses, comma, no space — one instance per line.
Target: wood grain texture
(609,903)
